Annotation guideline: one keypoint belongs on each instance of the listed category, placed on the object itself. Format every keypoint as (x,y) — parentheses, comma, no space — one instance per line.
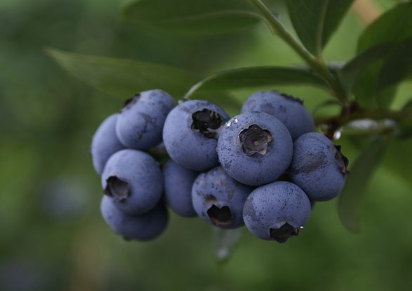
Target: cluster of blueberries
(263,168)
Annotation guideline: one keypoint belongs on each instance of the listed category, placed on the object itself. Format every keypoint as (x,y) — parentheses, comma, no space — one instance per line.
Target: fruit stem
(317,64)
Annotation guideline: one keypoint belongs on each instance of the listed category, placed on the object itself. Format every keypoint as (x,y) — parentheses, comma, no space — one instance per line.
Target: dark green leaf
(316,20)
(395,69)
(376,87)
(226,241)
(365,88)
(192,17)
(404,129)
(255,77)
(123,77)
(393,26)
(357,181)
(407,106)
(353,68)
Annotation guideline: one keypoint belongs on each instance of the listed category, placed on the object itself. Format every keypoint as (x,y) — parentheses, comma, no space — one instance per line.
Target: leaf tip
(122,14)
(52,52)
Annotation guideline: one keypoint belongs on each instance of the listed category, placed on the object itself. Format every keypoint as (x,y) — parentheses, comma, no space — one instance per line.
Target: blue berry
(287,109)
(255,148)
(276,211)
(142,227)
(140,122)
(133,180)
(105,143)
(190,134)
(178,183)
(318,167)
(219,199)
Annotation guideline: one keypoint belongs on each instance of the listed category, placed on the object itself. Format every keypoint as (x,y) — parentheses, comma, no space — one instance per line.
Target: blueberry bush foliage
(363,87)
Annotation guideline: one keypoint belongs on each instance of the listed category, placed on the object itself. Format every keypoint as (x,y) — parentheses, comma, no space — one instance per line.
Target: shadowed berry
(140,122)
(276,211)
(105,143)
(142,227)
(133,180)
(318,167)
(178,183)
(219,199)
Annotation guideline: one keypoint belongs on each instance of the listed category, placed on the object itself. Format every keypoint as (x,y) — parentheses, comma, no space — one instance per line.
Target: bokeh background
(51,234)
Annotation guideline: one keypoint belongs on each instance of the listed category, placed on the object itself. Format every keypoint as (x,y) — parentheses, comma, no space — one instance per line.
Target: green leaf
(407,106)
(192,17)
(351,71)
(351,198)
(393,26)
(230,103)
(225,242)
(255,77)
(316,20)
(123,78)
(398,160)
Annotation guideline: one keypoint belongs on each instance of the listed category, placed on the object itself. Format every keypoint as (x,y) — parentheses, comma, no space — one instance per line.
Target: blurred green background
(52,236)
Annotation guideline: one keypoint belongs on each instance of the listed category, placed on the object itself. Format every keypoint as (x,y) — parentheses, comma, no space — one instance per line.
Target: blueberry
(219,199)
(255,148)
(276,211)
(105,143)
(286,108)
(178,183)
(142,227)
(140,122)
(133,180)
(318,167)
(190,134)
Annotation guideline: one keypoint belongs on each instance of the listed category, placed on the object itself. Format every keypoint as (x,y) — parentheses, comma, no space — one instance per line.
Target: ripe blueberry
(276,211)
(133,180)
(287,109)
(318,167)
(178,183)
(190,134)
(255,148)
(140,122)
(219,199)
(142,227)
(105,143)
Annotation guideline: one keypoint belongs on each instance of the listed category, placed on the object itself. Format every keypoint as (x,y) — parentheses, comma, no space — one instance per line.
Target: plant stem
(316,64)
